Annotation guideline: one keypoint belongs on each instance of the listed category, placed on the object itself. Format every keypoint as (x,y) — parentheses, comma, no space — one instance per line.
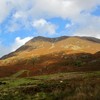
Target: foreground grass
(61,86)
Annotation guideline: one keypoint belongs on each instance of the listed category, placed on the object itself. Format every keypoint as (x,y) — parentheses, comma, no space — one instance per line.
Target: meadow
(60,86)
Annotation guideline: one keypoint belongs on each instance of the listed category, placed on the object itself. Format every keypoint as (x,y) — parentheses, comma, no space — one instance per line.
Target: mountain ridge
(52,40)
(56,39)
(43,55)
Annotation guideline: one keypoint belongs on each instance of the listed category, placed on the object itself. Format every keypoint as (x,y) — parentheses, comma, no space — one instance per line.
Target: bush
(79,63)
(32,60)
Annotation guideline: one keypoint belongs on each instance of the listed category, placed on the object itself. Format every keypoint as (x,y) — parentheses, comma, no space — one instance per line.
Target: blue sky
(21,20)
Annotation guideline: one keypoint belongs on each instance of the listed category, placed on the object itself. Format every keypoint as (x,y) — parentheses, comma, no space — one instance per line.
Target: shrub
(32,60)
(79,63)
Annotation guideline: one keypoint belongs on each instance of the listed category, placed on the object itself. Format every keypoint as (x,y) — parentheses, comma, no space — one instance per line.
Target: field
(61,86)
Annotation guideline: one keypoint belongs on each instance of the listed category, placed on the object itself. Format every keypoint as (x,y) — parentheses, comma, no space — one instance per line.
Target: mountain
(42,55)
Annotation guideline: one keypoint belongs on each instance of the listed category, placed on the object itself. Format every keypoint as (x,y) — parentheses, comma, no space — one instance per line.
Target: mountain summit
(42,55)
(43,45)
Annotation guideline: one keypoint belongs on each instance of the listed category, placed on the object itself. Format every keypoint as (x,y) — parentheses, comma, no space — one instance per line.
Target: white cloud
(4,10)
(17,15)
(69,25)
(52,8)
(17,43)
(42,26)
(29,10)
(88,26)
(45,8)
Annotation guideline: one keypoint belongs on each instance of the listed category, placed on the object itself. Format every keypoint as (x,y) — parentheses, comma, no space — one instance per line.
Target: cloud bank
(26,11)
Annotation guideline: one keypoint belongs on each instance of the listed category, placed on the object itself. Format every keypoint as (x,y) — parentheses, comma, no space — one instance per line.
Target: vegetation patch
(61,86)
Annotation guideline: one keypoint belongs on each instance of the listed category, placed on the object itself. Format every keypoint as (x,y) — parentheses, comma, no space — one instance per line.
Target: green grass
(60,86)
(20,73)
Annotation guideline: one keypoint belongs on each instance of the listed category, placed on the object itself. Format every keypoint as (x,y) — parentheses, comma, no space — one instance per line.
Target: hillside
(38,45)
(43,55)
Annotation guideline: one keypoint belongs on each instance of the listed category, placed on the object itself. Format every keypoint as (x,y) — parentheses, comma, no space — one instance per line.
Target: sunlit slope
(43,55)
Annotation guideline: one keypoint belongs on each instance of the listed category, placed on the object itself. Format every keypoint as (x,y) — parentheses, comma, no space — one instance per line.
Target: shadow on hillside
(53,63)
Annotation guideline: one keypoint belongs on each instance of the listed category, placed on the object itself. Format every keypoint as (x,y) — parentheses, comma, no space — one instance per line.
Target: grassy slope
(62,86)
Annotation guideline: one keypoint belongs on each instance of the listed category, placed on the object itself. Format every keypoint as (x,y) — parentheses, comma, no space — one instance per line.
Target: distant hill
(42,55)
